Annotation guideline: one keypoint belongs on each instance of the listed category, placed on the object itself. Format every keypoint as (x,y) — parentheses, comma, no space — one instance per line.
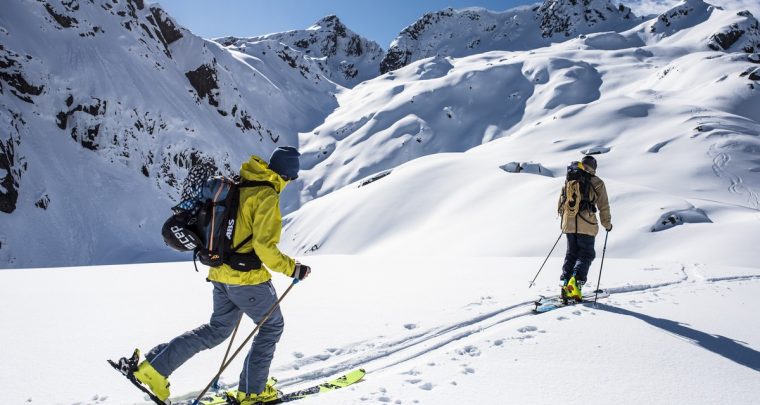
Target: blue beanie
(284,161)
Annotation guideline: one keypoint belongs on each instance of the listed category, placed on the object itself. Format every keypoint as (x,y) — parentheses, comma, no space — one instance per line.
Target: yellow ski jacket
(258,214)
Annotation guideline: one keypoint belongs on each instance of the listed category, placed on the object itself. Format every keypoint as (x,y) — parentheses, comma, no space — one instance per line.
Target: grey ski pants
(230,302)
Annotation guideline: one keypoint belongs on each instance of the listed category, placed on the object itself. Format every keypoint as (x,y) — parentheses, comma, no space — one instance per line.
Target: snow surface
(429,330)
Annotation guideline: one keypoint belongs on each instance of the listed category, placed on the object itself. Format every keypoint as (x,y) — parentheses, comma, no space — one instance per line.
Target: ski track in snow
(738,186)
(374,357)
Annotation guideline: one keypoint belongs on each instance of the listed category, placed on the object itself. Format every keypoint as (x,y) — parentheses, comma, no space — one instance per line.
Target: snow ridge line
(733,278)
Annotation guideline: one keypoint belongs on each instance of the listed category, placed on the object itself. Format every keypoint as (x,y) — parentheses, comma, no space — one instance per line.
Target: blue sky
(378,20)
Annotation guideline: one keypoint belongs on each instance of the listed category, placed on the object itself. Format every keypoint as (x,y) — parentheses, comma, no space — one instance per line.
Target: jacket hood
(588,169)
(256,169)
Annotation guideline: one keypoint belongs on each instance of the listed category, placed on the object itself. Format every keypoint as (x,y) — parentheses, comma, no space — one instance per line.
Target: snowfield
(428,330)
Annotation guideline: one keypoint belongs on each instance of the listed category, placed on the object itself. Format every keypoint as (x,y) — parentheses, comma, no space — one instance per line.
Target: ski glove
(610,228)
(301,271)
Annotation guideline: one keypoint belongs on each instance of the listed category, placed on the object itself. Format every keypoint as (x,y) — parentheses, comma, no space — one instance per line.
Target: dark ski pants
(580,253)
(230,303)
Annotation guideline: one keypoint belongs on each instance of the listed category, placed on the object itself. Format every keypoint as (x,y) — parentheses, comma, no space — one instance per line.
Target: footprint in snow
(526,329)
(412,372)
(410,326)
(469,350)
(468,370)
(323,357)
(577,313)
(298,355)
(427,386)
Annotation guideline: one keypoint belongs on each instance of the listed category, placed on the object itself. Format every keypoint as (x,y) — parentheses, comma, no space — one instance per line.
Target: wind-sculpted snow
(413,117)
(679,135)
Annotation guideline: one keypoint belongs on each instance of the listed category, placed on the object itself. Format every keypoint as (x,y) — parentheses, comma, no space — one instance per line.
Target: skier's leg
(586,255)
(167,357)
(256,300)
(571,256)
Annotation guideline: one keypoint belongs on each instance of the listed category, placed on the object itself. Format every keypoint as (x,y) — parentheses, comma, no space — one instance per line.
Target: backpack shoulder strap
(250,183)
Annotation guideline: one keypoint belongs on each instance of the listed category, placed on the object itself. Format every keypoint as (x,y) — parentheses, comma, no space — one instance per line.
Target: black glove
(610,228)
(301,271)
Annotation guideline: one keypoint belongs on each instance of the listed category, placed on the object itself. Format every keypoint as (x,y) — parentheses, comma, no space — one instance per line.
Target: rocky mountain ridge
(339,53)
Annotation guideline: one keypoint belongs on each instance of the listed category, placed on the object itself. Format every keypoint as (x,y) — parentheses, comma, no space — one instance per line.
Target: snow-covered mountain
(471,31)
(337,52)
(104,105)
(673,117)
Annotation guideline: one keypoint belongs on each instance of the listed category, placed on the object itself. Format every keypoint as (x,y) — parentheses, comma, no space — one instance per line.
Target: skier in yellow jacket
(237,292)
(578,203)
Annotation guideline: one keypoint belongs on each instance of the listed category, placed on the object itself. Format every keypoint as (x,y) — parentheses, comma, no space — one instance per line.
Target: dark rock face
(396,57)
(743,36)
(43,202)
(751,73)
(167,31)
(84,131)
(666,18)
(62,19)
(12,75)
(205,83)
(725,40)
(561,17)
(10,169)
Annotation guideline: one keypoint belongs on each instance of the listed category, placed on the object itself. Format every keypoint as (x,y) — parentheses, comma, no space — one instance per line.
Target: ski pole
(601,267)
(245,342)
(215,384)
(547,258)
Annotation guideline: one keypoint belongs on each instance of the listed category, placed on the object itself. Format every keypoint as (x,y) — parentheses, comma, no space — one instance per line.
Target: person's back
(580,223)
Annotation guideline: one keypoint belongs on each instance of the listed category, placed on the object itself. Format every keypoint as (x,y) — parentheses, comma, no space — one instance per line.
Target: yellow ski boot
(573,290)
(269,394)
(158,384)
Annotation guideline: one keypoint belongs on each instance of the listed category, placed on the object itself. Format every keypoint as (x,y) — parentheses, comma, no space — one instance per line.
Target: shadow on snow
(721,345)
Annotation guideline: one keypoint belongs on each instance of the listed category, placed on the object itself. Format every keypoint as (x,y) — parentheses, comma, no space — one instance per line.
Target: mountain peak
(330,22)
(337,52)
(571,17)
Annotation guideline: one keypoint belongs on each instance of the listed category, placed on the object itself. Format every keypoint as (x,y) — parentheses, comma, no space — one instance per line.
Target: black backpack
(204,223)
(577,194)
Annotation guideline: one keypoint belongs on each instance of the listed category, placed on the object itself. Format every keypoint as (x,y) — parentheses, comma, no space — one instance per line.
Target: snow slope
(673,123)
(429,330)
(105,102)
